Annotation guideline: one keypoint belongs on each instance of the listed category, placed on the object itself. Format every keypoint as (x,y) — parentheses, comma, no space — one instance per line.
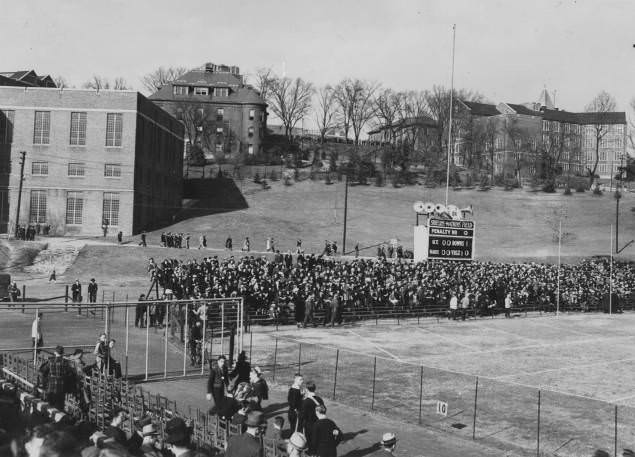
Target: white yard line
(376,346)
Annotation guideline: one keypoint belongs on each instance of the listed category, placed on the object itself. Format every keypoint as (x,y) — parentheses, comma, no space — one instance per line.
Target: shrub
(287,180)
(296,174)
(567,190)
(273,176)
(257,179)
(549,187)
(597,190)
(379,180)
(394,179)
(327,179)
(580,188)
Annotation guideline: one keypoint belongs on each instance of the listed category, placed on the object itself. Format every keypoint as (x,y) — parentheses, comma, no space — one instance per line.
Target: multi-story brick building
(91,158)
(515,133)
(236,113)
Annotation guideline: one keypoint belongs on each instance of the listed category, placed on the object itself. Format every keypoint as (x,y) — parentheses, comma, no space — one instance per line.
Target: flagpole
(559,244)
(611,275)
(447,179)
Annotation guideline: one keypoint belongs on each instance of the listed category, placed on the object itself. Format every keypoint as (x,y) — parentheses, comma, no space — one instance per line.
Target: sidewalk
(362,430)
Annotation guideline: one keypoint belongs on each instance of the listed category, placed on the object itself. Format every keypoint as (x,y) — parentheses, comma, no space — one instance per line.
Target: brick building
(236,113)
(92,157)
(513,133)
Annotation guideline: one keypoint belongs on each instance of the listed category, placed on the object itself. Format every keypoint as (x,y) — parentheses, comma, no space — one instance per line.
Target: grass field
(509,224)
(582,365)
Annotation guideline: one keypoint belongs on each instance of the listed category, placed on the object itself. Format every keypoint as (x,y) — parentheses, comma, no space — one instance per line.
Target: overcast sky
(507,50)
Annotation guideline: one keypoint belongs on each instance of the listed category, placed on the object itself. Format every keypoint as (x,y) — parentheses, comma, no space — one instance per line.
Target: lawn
(509,224)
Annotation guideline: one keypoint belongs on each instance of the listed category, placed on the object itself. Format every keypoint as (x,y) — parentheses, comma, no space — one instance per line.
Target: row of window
(41,168)
(197,90)
(74,208)
(77,131)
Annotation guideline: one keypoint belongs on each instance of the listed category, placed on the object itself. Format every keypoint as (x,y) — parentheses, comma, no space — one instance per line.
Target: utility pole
(17,216)
(345,212)
(617,220)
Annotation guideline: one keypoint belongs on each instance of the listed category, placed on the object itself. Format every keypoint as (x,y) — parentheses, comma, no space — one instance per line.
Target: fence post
(185,338)
(127,325)
(299,357)
(66,294)
(165,342)
(251,339)
(337,361)
(615,443)
(147,337)
(475,403)
(275,358)
(372,403)
(538,430)
(420,392)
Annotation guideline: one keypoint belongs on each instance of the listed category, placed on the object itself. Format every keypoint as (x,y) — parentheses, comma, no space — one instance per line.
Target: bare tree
(360,95)
(387,107)
(98,82)
(60,82)
(602,103)
(290,101)
(265,78)
(483,135)
(325,110)
(155,80)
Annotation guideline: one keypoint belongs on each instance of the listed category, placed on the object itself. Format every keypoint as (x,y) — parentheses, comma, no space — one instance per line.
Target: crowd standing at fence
(294,288)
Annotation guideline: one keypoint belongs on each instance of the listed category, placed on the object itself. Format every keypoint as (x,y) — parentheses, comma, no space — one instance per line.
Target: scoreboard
(444,239)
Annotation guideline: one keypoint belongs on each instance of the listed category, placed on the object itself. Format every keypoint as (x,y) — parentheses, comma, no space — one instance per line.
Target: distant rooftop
(25,78)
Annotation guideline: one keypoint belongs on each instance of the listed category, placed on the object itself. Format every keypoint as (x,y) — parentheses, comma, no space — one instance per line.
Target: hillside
(510,224)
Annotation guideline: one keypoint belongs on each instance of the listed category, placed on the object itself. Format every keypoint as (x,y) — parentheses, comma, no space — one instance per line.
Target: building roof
(522,109)
(25,78)
(545,99)
(481,109)
(618,117)
(239,92)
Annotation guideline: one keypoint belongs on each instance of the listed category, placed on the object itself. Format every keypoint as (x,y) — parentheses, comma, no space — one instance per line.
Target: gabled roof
(27,78)
(16,74)
(481,109)
(618,117)
(522,109)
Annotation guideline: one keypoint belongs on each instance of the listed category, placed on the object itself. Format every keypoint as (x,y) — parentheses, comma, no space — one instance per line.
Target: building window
(252,114)
(180,90)
(250,149)
(76,169)
(110,214)
(112,170)
(201,91)
(39,168)
(42,127)
(221,91)
(78,129)
(250,131)
(114,127)
(74,208)
(6,126)
(37,214)
(219,130)
(220,112)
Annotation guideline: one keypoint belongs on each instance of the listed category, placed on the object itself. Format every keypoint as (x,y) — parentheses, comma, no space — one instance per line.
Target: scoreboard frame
(445,239)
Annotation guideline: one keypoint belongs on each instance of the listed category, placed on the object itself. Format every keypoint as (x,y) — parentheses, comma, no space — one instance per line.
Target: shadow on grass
(203,197)
(363,451)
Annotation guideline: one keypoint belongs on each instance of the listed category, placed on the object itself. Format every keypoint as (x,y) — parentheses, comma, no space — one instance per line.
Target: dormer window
(180,90)
(201,91)
(221,91)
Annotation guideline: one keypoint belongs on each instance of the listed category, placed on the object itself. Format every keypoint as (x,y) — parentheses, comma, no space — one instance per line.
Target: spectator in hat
(241,370)
(388,445)
(148,445)
(92,291)
(296,445)
(307,415)
(37,339)
(76,290)
(325,435)
(248,444)
(259,386)
(294,399)
(178,438)
(55,374)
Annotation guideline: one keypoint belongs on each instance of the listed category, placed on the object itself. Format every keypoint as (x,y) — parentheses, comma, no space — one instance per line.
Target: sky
(507,50)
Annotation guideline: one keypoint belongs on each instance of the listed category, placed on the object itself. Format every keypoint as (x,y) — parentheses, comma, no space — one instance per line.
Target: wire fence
(481,408)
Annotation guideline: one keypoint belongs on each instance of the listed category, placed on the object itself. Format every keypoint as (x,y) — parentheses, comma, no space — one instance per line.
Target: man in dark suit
(217,382)
(92,291)
(307,414)
(76,290)
(325,435)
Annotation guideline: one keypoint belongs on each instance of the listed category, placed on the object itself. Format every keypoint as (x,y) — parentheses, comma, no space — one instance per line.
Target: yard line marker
(376,346)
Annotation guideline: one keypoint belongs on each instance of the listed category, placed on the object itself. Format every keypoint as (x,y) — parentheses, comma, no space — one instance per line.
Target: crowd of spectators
(297,286)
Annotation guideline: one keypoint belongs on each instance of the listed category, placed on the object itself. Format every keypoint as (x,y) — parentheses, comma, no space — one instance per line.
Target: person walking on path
(143,242)
(246,244)
(229,243)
